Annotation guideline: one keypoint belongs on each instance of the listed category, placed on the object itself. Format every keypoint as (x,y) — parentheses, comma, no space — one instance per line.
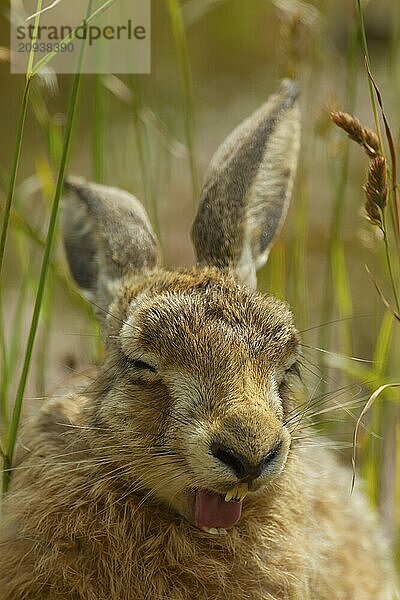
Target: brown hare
(170,472)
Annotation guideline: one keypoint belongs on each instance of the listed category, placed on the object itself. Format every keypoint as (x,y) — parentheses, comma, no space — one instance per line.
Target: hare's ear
(106,236)
(247,188)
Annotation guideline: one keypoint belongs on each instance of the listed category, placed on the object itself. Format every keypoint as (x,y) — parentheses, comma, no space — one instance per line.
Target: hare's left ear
(247,188)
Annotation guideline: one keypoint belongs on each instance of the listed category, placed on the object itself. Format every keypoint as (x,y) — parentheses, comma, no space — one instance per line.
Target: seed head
(356,132)
(376,189)
(371,143)
(373,214)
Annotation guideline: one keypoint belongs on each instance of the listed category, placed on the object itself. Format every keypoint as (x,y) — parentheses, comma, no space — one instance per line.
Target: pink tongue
(211,510)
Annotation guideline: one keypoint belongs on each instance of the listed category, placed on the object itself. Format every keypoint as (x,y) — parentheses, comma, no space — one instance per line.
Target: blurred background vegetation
(213,62)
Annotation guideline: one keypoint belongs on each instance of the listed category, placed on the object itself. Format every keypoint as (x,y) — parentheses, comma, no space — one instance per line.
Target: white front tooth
(215,530)
(243,488)
(212,530)
(229,495)
(237,493)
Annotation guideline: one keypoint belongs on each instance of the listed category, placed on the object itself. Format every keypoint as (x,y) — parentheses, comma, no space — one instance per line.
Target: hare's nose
(243,468)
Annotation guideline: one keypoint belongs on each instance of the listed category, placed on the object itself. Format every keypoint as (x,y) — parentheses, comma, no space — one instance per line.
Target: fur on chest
(142,555)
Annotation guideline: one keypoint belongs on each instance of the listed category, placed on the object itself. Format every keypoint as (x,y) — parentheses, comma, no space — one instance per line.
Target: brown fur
(82,524)
(101,491)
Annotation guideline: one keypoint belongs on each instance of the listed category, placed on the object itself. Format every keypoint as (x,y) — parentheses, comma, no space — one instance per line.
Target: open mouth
(215,512)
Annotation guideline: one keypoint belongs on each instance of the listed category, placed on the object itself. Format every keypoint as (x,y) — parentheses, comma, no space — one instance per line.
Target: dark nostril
(229,458)
(243,469)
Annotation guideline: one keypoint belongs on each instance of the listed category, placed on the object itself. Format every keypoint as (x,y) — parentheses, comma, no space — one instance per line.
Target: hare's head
(192,396)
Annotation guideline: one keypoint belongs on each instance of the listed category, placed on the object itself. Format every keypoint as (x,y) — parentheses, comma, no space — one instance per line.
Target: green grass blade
(300,291)
(383,345)
(9,202)
(99,118)
(20,132)
(366,54)
(143,149)
(178,31)
(341,288)
(43,347)
(13,429)
(68,38)
(340,186)
(16,329)
(14,171)
(4,378)
(34,38)
(389,264)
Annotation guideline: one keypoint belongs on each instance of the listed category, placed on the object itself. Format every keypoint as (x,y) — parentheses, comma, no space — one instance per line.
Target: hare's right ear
(247,188)
(106,236)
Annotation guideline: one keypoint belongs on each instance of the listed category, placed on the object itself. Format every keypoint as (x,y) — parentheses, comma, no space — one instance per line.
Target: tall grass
(4,447)
(16,413)
(381,199)
(318,263)
(336,286)
(177,24)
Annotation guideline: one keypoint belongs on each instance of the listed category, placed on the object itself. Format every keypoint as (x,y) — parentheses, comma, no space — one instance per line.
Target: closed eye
(143,366)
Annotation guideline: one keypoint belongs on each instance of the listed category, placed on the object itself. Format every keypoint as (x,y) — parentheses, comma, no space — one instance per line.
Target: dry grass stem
(356,132)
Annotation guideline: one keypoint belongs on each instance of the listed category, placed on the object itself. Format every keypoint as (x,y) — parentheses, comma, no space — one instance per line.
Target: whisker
(326,444)
(107,312)
(355,358)
(343,319)
(87,427)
